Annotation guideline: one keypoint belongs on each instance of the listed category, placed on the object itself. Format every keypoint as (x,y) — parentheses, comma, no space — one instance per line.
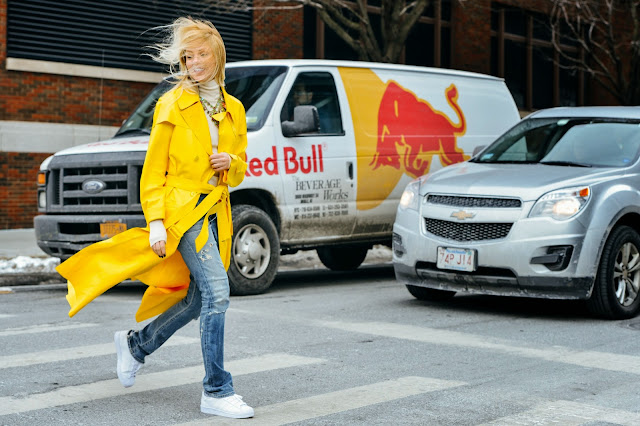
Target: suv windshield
(255,87)
(577,142)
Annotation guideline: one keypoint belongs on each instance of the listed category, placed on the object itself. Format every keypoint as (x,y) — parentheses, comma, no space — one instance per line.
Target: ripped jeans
(207,297)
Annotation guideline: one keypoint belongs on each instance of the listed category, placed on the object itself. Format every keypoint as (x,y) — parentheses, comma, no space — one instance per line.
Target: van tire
(342,258)
(255,251)
(430,294)
(621,247)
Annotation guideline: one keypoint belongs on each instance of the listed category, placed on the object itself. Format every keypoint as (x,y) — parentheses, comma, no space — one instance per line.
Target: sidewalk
(19,242)
(22,262)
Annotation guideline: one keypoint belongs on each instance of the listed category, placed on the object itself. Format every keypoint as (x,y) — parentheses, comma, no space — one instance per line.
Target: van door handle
(350,169)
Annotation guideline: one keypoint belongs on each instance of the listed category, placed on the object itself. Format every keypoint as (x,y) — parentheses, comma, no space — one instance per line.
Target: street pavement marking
(6,315)
(336,402)
(146,382)
(76,352)
(591,359)
(567,413)
(43,328)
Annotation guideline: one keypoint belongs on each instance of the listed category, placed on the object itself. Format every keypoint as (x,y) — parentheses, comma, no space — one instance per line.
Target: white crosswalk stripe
(76,352)
(337,402)
(146,382)
(6,316)
(43,328)
(567,413)
(629,364)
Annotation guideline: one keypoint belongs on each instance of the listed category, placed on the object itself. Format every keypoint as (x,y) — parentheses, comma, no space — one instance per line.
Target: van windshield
(571,142)
(256,87)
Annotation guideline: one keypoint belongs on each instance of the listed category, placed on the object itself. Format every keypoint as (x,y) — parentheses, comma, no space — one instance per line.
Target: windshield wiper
(565,163)
(504,162)
(137,130)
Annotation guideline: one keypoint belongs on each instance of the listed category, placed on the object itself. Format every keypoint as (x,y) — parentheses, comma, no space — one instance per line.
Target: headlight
(561,204)
(409,199)
(42,199)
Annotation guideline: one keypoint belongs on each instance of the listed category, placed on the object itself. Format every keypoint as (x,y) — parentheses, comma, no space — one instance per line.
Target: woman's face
(200,61)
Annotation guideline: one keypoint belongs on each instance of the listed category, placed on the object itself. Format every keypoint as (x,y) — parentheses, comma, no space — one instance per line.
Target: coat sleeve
(152,193)
(235,175)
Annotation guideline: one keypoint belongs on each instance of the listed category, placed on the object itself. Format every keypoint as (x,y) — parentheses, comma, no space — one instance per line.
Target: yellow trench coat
(175,173)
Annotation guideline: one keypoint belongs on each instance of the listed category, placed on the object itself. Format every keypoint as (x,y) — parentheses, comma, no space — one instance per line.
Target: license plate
(457,259)
(109,229)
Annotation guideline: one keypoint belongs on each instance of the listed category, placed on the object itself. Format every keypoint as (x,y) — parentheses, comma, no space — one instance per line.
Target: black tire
(342,258)
(433,295)
(616,288)
(255,251)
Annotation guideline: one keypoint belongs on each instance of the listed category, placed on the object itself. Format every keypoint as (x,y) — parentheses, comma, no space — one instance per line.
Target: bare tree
(350,19)
(608,34)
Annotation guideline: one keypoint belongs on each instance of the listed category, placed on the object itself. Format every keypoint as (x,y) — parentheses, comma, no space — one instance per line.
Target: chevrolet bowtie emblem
(462,215)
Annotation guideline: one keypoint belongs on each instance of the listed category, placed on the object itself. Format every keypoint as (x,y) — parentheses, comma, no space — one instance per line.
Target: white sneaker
(232,406)
(128,366)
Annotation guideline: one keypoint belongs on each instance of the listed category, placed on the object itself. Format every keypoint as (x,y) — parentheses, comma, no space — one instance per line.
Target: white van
(332,144)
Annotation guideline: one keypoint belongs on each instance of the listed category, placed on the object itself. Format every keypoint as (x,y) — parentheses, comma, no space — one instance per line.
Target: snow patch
(26,264)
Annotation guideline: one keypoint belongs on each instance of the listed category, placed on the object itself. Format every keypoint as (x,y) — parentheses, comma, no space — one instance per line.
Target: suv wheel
(342,258)
(255,251)
(615,291)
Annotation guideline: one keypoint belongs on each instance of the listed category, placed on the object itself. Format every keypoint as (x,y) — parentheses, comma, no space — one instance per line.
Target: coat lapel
(194,116)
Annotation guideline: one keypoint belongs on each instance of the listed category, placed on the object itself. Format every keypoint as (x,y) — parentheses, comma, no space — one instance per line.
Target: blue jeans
(207,297)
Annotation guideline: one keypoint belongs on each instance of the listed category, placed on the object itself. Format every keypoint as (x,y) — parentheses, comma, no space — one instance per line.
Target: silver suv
(551,209)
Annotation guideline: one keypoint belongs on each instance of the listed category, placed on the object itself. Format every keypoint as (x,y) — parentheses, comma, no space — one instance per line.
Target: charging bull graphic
(410,132)
(397,133)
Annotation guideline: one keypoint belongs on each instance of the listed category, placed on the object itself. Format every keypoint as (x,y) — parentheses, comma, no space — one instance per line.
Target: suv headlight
(409,199)
(561,204)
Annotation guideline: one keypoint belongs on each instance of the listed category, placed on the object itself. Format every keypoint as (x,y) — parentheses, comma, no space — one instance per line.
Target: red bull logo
(411,132)
(397,133)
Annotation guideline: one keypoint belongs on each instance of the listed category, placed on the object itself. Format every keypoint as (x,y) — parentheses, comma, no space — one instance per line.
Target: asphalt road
(325,348)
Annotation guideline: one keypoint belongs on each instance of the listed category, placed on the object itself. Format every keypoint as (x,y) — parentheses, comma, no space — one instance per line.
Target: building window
(522,53)
(428,44)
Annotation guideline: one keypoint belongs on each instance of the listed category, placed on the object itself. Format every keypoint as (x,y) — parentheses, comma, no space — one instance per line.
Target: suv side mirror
(305,120)
(477,150)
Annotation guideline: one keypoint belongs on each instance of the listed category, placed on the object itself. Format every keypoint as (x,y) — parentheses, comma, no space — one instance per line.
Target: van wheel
(615,291)
(345,258)
(431,294)
(255,251)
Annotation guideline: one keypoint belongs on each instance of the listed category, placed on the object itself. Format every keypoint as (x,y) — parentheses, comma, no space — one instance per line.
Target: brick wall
(277,34)
(18,173)
(51,98)
(26,96)
(471,36)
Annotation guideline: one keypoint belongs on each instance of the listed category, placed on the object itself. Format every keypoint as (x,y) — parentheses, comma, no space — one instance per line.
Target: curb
(31,278)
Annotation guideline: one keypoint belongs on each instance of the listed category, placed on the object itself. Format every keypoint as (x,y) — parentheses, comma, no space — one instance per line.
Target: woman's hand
(159,248)
(158,237)
(220,161)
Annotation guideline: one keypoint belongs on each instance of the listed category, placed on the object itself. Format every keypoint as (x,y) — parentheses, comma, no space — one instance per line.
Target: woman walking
(196,150)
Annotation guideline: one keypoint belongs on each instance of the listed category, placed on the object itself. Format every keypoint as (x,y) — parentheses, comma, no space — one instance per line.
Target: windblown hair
(183,33)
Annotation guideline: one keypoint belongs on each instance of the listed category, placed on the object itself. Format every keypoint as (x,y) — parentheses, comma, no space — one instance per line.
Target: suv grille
(457,201)
(467,231)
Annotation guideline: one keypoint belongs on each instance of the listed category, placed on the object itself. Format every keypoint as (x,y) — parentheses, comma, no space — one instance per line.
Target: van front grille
(101,182)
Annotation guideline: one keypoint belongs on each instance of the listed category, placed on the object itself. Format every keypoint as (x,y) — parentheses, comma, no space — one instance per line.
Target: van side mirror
(477,150)
(305,120)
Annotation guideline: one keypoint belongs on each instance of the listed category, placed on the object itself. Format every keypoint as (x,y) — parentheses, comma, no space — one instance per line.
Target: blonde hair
(184,32)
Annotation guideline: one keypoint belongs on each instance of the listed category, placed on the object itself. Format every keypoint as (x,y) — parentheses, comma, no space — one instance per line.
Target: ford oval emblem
(93,186)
